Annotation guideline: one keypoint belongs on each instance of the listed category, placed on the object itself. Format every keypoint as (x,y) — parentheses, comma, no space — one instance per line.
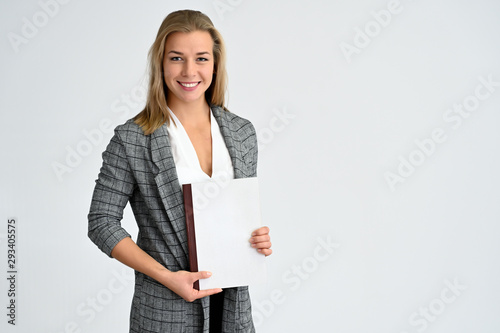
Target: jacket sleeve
(251,146)
(254,150)
(114,187)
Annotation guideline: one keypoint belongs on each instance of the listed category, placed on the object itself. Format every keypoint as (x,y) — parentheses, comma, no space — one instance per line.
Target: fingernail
(253,233)
(209,274)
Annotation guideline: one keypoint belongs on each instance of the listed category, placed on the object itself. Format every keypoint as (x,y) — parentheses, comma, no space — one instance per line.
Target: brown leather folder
(191,235)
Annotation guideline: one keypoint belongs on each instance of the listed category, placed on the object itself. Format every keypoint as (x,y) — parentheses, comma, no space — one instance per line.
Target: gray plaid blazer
(140,169)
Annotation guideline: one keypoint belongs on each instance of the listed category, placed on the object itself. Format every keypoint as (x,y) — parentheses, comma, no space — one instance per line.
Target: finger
(259,239)
(262,245)
(260,231)
(208,292)
(201,275)
(266,252)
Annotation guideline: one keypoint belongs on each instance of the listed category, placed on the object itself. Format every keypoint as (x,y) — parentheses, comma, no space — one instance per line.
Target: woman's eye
(202,59)
(175,58)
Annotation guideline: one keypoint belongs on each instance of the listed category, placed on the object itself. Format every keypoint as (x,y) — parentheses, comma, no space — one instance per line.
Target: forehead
(185,42)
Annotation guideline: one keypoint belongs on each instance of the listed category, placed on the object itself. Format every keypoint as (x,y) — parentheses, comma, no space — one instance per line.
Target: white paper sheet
(225,215)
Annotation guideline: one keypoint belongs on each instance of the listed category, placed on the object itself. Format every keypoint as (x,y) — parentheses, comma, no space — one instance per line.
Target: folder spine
(191,236)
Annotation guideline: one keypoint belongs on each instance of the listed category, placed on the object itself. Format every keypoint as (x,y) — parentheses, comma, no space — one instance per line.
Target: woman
(183,135)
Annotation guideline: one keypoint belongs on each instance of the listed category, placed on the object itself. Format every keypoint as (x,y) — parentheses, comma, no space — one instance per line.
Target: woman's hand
(181,283)
(262,241)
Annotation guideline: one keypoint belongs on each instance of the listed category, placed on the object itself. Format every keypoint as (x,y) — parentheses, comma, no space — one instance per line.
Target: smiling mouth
(189,85)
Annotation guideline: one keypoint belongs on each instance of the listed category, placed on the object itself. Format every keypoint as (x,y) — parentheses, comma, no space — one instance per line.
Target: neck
(194,112)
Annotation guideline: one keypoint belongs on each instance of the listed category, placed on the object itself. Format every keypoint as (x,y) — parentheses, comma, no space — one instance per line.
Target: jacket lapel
(169,188)
(233,145)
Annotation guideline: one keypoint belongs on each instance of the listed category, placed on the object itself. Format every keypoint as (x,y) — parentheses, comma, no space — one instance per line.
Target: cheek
(167,77)
(209,76)
(167,74)
(169,71)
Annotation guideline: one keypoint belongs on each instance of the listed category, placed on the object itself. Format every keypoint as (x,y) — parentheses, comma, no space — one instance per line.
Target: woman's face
(188,66)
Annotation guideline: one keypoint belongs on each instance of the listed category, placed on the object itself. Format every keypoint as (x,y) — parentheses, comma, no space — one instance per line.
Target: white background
(331,126)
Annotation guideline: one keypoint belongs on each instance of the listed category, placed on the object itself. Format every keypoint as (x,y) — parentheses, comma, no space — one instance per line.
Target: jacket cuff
(107,239)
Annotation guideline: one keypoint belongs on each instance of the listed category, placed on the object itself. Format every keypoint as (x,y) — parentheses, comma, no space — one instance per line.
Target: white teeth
(188,85)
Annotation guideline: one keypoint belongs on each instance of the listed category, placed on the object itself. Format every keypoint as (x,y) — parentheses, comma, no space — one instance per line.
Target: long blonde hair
(155,113)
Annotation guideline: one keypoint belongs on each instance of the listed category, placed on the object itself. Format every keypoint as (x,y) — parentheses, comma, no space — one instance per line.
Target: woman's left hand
(261,241)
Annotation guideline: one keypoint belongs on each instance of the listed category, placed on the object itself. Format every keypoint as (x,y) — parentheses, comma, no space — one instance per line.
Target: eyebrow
(180,53)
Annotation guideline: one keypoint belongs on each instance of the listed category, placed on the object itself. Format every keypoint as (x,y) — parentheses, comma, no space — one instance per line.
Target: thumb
(202,275)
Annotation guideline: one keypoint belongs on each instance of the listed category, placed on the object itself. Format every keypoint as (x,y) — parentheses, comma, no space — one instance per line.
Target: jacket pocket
(161,310)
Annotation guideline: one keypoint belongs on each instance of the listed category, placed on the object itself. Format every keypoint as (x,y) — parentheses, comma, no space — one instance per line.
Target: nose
(188,69)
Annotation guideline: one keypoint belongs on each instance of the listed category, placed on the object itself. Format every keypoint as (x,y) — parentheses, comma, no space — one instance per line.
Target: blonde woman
(183,135)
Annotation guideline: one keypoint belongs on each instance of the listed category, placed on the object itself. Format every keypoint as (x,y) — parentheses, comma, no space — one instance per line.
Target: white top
(186,161)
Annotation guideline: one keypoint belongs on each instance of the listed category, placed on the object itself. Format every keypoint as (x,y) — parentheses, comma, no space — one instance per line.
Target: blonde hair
(155,113)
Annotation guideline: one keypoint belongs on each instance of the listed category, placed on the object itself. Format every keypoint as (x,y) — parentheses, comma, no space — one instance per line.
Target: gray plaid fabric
(140,169)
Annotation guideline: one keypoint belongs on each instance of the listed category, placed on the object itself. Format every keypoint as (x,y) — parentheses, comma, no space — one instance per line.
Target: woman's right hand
(181,283)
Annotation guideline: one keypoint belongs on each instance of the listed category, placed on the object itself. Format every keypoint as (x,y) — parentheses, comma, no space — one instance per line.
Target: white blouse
(186,161)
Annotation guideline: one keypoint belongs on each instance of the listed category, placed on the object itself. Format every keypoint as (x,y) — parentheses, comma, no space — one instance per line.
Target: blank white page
(225,214)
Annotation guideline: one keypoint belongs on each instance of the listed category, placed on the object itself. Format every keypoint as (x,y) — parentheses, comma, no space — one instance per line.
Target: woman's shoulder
(233,121)
(131,133)
(129,127)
